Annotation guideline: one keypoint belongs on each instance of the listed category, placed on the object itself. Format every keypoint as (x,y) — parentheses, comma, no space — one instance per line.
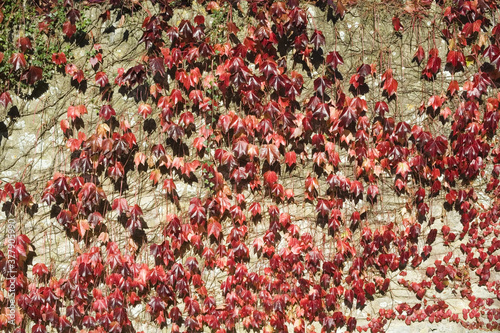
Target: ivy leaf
(59,58)
(372,192)
(139,158)
(436,147)
(348,116)
(69,29)
(76,111)
(321,111)
(120,205)
(269,69)
(456,59)
(5,99)
(403,168)
(157,65)
(333,59)
(214,229)
(396,23)
(255,209)
(419,55)
(73,15)
(186,29)
(82,226)
(290,158)
(155,176)
(116,171)
(79,76)
(317,39)
(18,61)
(145,110)
(381,108)
(24,43)
(64,125)
(389,84)
(32,75)
(453,87)
(321,84)
(433,65)
(270,153)
(492,52)
(106,112)
(101,79)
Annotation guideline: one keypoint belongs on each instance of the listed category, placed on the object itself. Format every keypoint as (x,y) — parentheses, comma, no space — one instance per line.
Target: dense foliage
(255,106)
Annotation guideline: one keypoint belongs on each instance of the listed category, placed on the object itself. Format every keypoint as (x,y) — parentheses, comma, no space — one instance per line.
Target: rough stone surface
(35,148)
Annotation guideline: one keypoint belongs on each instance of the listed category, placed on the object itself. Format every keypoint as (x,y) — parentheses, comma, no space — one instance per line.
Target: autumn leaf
(396,23)
(270,153)
(32,75)
(214,229)
(18,61)
(145,110)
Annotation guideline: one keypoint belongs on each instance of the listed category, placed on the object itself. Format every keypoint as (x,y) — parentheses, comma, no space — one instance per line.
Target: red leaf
(321,84)
(120,205)
(79,76)
(70,69)
(18,61)
(396,23)
(433,65)
(214,228)
(145,110)
(186,29)
(40,269)
(69,29)
(402,169)
(176,97)
(101,79)
(94,61)
(24,44)
(348,116)
(199,19)
(82,227)
(312,184)
(186,119)
(492,52)
(435,102)
(453,87)
(64,125)
(5,99)
(381,108)
(270,177)
(189,167)
(389,84)
(456,59)
(32,75)
(290,158)
(139,158)
(436,147)
(317,39)
(333,59)
(157,65)
(269,152)
(255,209)
(196,96)
(419,55)
(116,171)
(106,112)
(169,185)
(372,192)
(76,111)
(269,69)
(59,58)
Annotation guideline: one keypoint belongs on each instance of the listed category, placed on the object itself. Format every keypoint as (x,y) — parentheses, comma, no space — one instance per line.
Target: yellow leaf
(469,60)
